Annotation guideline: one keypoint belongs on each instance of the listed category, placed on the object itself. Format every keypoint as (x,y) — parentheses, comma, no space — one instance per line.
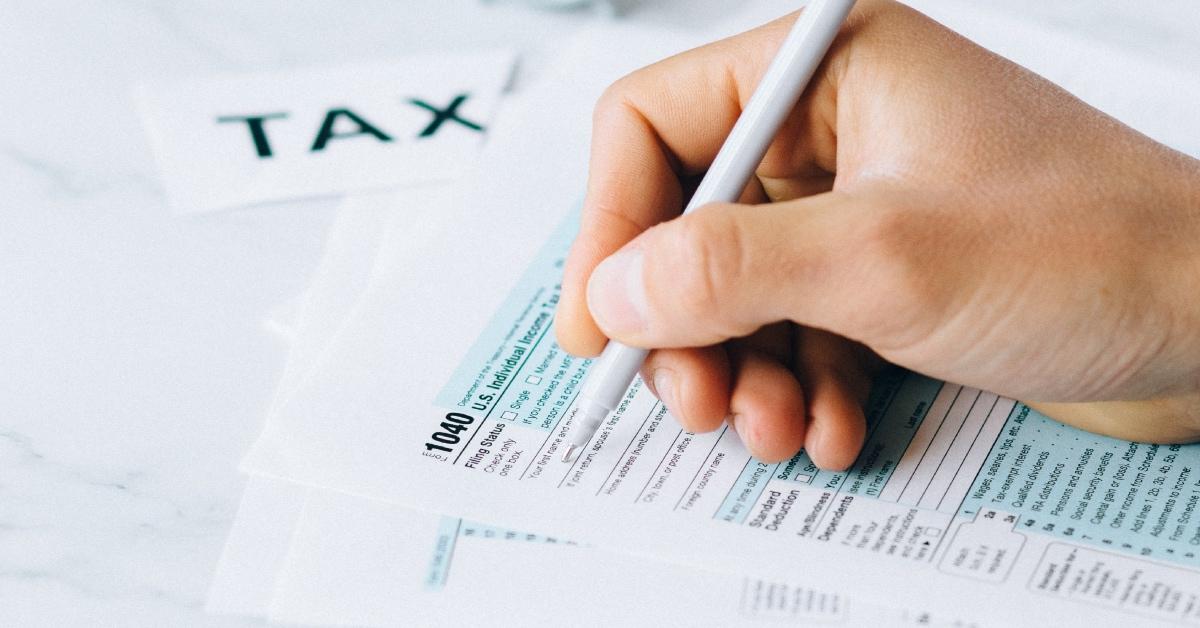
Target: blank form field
(916,449)
(976,456)
(936,451)
(960,443)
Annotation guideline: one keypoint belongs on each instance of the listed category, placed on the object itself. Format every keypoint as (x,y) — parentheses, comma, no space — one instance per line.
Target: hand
(927,203)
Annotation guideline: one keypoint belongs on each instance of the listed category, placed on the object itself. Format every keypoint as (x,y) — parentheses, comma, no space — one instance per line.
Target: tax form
(301,556)
(459,404)
(352,561)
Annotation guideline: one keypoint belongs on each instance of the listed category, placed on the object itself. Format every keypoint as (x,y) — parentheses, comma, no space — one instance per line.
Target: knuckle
(893,253)
(604,213)
(614,98)
(881,231)
(706,251)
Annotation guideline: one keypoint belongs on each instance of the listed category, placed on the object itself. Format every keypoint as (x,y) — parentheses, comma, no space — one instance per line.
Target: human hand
(927,203)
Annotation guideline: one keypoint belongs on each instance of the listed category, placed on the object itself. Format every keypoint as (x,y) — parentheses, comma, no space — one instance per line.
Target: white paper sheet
(256,549)
(242,140)
(361,562)
(367,227)
(261,534)
(301,557)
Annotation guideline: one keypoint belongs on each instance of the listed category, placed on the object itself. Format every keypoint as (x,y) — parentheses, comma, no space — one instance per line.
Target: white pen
(772,101)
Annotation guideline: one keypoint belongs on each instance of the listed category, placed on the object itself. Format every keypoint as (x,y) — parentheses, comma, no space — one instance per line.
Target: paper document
(242,140)
(960,482)
(351,561)
(312,557)
(261,534)
(446,392)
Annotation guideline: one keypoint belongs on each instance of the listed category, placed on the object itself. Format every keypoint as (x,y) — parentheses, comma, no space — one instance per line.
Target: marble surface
(134,363)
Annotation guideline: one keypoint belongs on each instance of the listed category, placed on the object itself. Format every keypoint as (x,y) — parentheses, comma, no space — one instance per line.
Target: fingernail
(732,420)
(746,433)
(664,387)
(617,295)
(814,440)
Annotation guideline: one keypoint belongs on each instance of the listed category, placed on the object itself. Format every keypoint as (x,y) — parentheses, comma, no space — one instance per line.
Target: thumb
(726,270)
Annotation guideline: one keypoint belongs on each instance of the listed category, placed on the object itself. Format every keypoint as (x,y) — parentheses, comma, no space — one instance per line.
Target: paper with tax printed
(445,392)
(303,556)
(241,140)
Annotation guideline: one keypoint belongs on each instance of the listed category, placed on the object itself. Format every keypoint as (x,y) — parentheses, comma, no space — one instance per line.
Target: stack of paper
(407,472)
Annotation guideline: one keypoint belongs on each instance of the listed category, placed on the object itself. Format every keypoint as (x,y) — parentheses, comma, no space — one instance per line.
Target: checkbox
(803,478)
(533,379)
(508,414)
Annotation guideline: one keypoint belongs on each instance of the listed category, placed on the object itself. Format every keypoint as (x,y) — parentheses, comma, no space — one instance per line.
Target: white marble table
(134,364)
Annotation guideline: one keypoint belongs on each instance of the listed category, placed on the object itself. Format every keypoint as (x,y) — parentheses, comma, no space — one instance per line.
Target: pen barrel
(610,376)
(773,100)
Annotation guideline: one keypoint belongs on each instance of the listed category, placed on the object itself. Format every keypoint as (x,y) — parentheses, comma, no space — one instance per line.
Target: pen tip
(567,455)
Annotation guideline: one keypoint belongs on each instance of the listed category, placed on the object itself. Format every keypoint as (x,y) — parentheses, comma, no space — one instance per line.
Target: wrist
(1165,420)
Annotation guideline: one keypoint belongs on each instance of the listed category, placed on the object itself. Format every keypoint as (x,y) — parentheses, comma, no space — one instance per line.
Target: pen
(777,93)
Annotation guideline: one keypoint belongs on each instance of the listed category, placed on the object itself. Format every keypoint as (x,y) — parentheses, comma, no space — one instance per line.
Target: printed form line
(524,361)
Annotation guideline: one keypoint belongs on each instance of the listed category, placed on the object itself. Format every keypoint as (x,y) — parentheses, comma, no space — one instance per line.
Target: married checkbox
(533,379)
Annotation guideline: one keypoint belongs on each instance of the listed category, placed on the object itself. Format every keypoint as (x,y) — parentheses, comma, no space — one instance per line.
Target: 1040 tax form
(301,556)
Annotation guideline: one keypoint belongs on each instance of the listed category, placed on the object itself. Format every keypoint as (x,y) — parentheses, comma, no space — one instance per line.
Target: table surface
(136,367)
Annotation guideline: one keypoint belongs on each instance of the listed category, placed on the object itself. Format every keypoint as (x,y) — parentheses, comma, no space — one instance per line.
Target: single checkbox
(508,414)
(533,379)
